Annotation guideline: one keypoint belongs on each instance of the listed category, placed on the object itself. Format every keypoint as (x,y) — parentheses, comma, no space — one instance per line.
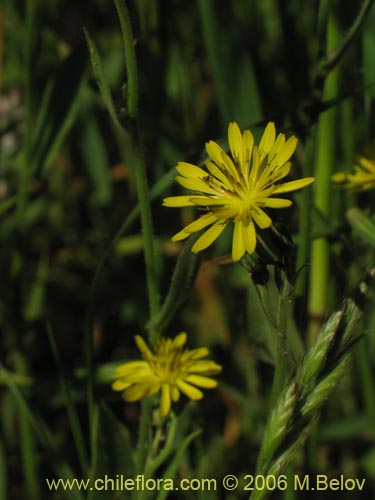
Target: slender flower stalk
(170,370)
(237,187)
(139,163)
(362,179)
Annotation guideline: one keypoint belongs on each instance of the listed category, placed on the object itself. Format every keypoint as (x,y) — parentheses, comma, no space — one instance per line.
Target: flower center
(167,362)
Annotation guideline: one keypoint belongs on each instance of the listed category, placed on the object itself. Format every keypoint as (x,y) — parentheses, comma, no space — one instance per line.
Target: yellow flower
(237,188)
(169,370)
(362,179)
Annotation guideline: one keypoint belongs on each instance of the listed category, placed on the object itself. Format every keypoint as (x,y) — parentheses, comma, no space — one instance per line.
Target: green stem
(334,56)
(130,59)
(145,208)
(326,64)
(282,357)
(140,168)
(320,254)
(304,236)
(159,456)
(278,327)
(143,435)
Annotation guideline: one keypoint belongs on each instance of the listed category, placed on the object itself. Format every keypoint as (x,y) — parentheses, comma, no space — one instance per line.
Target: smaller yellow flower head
(237,187)
(170,370)
(362,179)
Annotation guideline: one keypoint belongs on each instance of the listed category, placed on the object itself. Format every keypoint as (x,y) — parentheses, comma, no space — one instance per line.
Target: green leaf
(55,118)
(363,225)
(58,108)
(240,99)
(37,292)
(97,68)
(183,277)
(96,161)
(171,470)
(112,452)
(42,432)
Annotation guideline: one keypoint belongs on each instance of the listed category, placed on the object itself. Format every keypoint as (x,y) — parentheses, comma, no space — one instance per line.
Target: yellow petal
(367,165)
(250,238)
(139,377)
(238,243)
(120,385)
(268,179)
(206,201)
(276,203)
(278,173)
(208,237)
(200,352)
(175,394)
(181,235)
(214,151)
(128,367)
(204,367)
(248,144)
(261,218)
(195,185)
(191,171)
(268,139)
(287,150)
(339,177)
(294,185)
(200,381)
(138,391)
(190,391)
(203,221)
(143,347)
(236,143)
(219,174)
(221,159)
(279,143)
(179,341)
(254,171)
(165,400)
(178,201)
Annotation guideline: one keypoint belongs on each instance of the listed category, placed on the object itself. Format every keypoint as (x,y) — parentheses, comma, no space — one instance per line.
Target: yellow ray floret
(169,370)
(236,188)
(362,179)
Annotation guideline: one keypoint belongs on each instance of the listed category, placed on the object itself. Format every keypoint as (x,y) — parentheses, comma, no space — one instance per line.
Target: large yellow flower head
(237,187)
(170,370)
(362,179)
